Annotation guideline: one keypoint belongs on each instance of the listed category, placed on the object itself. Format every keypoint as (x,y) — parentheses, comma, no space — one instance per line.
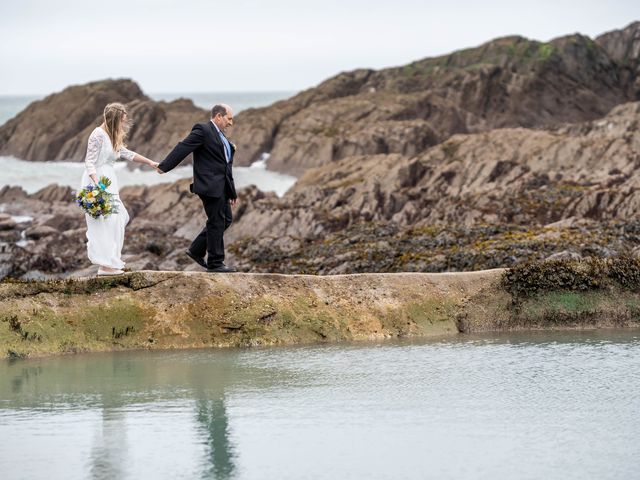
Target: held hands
(155,166)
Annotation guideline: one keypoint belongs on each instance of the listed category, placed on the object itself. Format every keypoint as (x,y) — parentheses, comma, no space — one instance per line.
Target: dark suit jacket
(212,174)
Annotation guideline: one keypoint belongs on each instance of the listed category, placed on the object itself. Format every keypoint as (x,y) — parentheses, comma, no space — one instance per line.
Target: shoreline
(169,310)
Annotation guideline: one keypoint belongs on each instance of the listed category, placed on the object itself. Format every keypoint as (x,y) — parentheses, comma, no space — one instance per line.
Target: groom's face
(224,121)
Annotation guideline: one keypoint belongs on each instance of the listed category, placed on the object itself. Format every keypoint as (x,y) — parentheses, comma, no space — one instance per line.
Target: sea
(32,176)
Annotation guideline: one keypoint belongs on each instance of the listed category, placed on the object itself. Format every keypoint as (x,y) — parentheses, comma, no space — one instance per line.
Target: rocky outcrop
(181,309)
(624,47)
(491,178)
(154,310)
(476,201)
(44,234)
(492,196)
(44,129)
(57,127)
(508,82)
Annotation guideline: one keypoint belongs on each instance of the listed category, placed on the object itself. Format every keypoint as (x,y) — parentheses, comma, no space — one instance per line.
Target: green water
(519,406)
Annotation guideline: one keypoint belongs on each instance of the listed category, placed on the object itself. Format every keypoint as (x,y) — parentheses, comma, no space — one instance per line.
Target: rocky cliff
(57,127)
(508,82)
(623,46)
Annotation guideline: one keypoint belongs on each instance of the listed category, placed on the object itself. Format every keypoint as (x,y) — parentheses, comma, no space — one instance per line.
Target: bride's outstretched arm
(136,157)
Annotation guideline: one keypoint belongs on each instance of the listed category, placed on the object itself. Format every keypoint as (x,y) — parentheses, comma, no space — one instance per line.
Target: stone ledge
(151,310)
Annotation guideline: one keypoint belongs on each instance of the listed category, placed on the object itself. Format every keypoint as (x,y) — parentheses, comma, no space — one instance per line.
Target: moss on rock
(189,310)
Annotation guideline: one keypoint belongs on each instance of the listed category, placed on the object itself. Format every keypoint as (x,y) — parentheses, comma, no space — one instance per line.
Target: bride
(105,235)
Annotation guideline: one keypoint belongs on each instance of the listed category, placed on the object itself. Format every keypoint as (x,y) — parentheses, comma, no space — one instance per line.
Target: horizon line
(159,92)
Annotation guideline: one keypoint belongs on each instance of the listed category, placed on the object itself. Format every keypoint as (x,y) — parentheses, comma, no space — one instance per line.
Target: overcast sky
(251,45)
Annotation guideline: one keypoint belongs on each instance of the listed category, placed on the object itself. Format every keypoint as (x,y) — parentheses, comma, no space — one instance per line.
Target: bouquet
(96,201)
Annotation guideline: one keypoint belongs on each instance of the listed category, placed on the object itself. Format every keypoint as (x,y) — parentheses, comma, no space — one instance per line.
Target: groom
(212,182)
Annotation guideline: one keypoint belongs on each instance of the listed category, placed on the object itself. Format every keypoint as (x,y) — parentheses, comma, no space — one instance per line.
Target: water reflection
(109,452)
(212,415)
(551,405)
(123,388)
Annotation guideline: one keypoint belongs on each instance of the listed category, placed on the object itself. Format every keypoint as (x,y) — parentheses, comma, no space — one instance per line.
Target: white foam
(32,176)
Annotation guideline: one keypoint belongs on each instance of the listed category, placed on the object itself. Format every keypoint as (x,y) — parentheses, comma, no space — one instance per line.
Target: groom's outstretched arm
(183,148)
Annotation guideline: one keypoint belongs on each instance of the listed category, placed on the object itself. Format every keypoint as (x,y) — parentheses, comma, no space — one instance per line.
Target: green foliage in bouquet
(96,201)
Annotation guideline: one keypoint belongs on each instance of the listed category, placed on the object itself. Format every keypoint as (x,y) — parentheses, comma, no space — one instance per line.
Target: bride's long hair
(116,125)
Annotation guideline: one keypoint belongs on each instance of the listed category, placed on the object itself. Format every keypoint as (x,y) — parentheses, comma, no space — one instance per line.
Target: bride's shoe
(103,273)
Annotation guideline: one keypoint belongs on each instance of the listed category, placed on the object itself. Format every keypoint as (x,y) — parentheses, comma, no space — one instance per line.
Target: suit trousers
(210,240)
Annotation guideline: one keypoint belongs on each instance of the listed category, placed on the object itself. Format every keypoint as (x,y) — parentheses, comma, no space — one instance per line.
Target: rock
(624,47)
(137,262)
(339,270)
(37,275)
(399,191)
(192,227)
(39,231)
(564,255)
(76,233)
(82,273)
(564,223)
(55,193)
(159,126)
(248,309)
(10,194)
(599,251)
(507,82)
(57,127)
(10,236)
(45,128)
(6,222)
(464,182)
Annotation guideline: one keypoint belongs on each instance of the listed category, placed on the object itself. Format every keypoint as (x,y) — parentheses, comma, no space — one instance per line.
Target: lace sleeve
(126,154)
(94,146)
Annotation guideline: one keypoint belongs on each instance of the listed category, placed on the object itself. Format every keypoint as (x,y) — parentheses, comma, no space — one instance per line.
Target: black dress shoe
(222,269)
(199,260)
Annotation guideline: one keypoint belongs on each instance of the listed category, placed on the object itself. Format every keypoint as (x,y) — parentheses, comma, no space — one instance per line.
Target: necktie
(227,147)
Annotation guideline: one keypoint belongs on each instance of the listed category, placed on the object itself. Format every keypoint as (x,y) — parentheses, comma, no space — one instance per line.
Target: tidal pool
(526,406)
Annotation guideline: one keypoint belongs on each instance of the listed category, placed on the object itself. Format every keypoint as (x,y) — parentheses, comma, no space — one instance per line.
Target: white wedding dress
(105,235)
